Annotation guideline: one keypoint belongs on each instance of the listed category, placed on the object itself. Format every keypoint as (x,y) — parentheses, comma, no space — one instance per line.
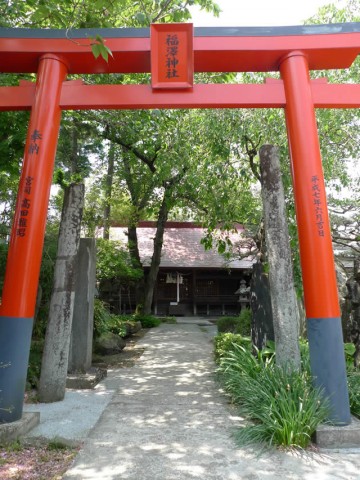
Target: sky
(239,13)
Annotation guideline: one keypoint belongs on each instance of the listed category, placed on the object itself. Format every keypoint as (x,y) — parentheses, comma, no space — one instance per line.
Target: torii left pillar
(27,237)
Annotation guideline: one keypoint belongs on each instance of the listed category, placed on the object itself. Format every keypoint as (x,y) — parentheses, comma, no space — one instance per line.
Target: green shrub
(349,349)
(170,320)
(104,321)
(240,324)
(244,325)
(283,405)
(353,378)
(34,366)
(148,321)
(46,280)
(227,324)
(113,262)
(117,324)
(102,318)
(225,342)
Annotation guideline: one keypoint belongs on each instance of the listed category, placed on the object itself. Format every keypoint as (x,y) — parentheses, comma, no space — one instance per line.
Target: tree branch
(339,241)
(252,151)
(176,178)
(194,201)
(148,161)
(162,10)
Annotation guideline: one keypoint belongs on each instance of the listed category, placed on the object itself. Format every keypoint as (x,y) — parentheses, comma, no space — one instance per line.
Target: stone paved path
(168,420)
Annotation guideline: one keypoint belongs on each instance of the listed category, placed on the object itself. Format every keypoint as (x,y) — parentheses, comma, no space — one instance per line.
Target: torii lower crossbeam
(77,96)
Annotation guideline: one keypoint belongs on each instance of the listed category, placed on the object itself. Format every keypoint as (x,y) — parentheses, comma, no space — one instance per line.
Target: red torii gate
(291,50)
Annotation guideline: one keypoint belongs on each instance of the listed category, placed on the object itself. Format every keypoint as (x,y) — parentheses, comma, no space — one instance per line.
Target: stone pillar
(262,328)
(81,343)
(284,305)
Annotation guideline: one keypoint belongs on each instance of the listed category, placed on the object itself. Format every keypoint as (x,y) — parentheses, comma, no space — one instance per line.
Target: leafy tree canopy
(92,14)
(112,261)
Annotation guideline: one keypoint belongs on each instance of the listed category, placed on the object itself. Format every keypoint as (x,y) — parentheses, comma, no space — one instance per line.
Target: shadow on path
(168,420)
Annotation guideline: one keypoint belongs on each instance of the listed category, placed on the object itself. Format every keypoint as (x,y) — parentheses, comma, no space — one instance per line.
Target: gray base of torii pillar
(15,339)
(80,354)
(327,360)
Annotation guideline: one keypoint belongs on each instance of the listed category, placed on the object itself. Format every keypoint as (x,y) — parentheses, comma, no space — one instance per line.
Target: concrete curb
(14,430)
(330,436)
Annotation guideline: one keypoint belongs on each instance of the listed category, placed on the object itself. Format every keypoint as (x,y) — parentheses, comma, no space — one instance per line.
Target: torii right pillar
(324,329)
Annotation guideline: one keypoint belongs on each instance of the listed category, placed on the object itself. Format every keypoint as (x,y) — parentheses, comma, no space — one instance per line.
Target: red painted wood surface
(211,54)
(316,254)
(77,96)
(27,234)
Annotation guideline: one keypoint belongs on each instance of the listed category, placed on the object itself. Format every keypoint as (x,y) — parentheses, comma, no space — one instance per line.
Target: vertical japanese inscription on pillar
(319,214)
(25,202)
(172,57)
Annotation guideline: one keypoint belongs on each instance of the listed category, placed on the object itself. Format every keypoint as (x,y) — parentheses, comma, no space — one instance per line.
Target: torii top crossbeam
(216,49)
(256,49)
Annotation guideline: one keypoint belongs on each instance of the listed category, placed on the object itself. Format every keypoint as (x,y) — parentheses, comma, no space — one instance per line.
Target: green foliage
(102,318)
(117,324)
(349,12)
(353,378)
(57,445)
(15,446)
(46,280)
(3,257)
(101,13)
(282,405)
(104,321)
(227,324)
(34,366)
(99,48)
(78,142)
(148,321)
(168,320)
(59,178)
(240,324)
(304,355)
(226,342)
(113,261)
(349,349)
(12,143)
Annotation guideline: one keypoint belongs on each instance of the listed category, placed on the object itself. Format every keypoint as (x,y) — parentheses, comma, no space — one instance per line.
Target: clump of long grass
(282,404)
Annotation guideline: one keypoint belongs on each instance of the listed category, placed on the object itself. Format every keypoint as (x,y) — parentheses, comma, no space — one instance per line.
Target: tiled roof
(181,247)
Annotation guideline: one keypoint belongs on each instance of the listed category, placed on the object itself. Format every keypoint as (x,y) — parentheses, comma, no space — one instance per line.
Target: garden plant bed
(23,461)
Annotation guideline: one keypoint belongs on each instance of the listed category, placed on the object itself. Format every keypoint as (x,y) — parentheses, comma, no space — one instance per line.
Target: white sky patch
(240,13)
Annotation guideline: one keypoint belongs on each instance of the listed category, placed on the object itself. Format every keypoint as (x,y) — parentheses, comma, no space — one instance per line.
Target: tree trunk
(283,296)
(108,192)
(134,253)
(56,349)
(156,257)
